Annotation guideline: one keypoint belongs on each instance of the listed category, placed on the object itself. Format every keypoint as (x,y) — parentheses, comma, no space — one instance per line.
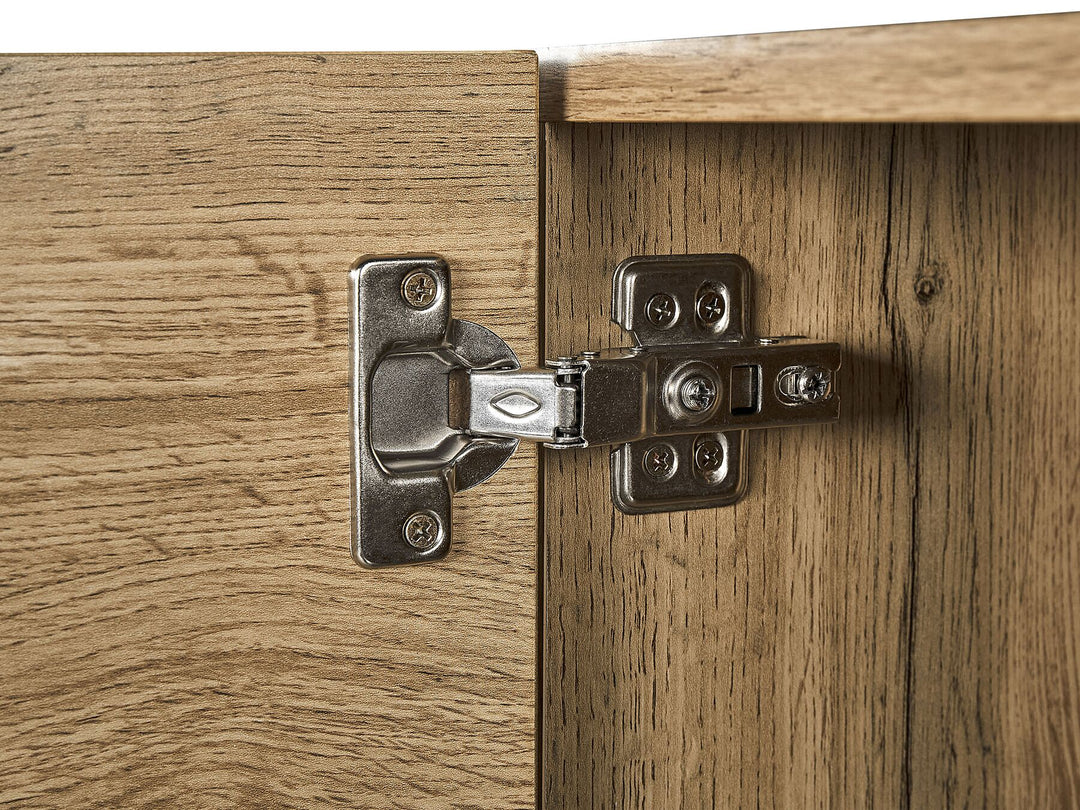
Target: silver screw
(661,310)
(710,307)
(708,455)
(422,531)
(659,461)
(805,383)
(419,289)
(697,393)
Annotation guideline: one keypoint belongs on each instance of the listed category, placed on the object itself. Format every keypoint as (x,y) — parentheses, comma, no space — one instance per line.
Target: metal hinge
(439,405)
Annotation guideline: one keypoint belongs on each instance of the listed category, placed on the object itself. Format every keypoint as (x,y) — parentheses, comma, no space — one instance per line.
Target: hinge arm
(627,395)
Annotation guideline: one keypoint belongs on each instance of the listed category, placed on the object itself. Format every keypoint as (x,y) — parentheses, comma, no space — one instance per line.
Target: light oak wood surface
(891,617)
(180,620)
(1003,69)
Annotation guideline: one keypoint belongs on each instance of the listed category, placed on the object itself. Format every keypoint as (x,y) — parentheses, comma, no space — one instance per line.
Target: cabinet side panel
(983,292)
(180,619)
(889,617)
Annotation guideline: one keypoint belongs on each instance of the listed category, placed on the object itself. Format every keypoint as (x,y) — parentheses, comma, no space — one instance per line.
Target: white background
(309,25)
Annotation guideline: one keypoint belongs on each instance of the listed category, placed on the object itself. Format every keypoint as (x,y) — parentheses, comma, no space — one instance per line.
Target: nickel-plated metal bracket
(438,405)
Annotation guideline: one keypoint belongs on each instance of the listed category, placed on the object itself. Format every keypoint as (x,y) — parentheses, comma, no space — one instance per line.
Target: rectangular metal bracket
(705,382)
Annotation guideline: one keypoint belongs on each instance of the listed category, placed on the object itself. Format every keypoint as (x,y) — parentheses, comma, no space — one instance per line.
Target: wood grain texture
(1004,69)
(180,621)
(890,618)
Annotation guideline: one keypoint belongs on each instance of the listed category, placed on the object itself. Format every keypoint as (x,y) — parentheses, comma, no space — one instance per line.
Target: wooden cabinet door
(180,620)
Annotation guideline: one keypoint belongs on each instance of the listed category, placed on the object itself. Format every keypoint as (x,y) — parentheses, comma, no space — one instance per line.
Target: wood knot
(926,288)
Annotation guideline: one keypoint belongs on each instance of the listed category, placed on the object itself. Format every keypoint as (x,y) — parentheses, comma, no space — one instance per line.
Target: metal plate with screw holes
(641,279)
(710,292)
(635,491)
(406,460)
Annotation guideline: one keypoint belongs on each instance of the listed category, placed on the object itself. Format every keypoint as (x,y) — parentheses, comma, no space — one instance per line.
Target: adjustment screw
(419,289)
(708,455)
(662,310)
(697,393)
(710,307)
(807,384)
(422,531)
(659,461)
(814,384)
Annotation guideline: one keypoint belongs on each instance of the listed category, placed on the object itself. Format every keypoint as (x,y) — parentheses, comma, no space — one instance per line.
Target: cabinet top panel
(1000,69)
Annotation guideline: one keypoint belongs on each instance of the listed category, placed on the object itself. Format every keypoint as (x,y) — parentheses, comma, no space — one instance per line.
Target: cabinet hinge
(438,405)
